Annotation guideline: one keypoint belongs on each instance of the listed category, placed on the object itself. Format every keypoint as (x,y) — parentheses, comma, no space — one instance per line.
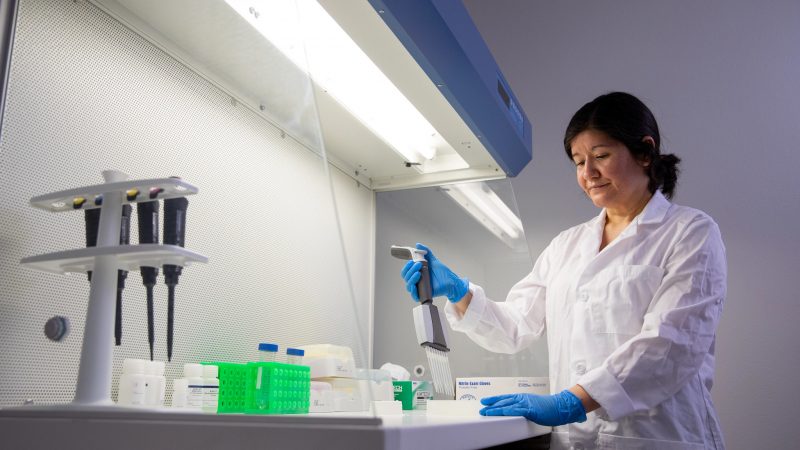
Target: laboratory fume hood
(254,102)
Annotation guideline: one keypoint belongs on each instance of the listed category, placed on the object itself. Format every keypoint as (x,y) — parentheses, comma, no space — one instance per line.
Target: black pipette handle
(92,224)
(174,234)
(147,213)
(424,290)
(175,220)
(125,225)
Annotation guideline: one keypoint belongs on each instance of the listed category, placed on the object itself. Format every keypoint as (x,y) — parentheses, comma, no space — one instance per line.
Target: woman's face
(607,171)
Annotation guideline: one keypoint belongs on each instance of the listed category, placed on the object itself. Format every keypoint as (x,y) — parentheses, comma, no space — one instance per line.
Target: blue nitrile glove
(443,281)
(548,410)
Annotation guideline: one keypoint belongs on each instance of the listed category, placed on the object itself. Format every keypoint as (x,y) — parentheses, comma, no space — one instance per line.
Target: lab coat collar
(654,212)
(591,244)
(656,209)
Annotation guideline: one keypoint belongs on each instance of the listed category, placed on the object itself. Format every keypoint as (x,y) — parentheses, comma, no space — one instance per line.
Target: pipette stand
(93,388)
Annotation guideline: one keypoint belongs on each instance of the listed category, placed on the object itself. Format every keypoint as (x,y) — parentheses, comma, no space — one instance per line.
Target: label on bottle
(194,396)
(210,397)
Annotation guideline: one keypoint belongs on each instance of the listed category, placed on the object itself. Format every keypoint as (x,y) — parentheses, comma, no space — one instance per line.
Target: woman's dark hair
(626,119)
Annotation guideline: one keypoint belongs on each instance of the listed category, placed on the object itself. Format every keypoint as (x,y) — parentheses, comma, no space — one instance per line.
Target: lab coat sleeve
(510,326)
(678,329)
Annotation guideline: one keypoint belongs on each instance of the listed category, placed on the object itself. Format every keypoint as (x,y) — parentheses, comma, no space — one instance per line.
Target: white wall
(722,80)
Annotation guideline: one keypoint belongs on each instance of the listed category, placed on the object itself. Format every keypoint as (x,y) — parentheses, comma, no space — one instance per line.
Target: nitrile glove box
(480,387)
(402,393)
(422,392)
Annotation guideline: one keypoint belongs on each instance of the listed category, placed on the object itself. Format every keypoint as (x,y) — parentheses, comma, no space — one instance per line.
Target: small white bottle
(295,356)
(210,388)
(194,378)
(154,392)
(180,388)
(268,352)
(132,383)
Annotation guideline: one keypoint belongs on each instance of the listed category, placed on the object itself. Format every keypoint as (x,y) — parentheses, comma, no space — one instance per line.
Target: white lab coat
(633,324)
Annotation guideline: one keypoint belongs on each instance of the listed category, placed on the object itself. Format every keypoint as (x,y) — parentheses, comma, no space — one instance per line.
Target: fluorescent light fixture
(482,203)
(340,67)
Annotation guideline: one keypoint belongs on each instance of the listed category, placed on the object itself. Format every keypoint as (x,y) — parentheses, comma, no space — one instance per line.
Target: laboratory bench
(119,428)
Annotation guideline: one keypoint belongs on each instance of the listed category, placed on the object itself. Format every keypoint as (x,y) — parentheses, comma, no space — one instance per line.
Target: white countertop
(416,430)
(33,428)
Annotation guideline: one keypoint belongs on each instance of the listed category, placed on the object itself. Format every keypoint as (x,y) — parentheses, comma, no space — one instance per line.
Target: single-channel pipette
(92,217)
(124,239)
(147,213)
(174,234)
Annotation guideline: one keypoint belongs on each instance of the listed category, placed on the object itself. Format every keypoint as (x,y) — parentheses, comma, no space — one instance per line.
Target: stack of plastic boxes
(376,385)
(333,365)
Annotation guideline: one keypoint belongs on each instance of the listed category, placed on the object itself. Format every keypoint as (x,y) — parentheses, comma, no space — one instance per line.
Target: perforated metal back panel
(87,94)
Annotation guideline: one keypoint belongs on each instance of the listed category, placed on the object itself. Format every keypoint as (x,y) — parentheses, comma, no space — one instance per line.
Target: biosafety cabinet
(303,139)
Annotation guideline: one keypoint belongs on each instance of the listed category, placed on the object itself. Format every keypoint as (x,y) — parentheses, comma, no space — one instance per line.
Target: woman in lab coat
(629,301)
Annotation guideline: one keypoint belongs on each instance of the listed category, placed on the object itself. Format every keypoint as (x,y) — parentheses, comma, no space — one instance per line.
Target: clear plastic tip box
(276,388)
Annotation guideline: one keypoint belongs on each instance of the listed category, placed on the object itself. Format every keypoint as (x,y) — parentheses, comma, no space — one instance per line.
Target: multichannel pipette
(174,234)
(428,323)
(147,213)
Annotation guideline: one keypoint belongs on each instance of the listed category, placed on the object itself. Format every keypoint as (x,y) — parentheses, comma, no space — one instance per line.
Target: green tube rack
(232,387)
(277,388)
(263,388)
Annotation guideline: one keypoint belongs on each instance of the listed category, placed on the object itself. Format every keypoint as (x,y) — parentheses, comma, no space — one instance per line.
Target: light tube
(342,69)
(480,201)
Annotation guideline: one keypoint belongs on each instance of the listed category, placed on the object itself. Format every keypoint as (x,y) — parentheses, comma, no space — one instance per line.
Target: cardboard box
(478,387)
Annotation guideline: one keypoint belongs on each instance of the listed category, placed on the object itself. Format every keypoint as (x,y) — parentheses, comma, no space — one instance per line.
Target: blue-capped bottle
(268,352)
(295,355)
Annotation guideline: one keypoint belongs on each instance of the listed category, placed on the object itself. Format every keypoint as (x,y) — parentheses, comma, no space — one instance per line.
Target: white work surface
(415,430)
(118,428)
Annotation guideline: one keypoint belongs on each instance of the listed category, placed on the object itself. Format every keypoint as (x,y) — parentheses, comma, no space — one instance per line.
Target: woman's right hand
(444,282)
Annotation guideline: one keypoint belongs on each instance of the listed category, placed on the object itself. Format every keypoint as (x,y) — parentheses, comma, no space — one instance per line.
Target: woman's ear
(645,162)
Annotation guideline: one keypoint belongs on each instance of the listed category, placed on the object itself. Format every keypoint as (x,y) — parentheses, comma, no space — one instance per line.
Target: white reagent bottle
(210,388)
(132,383)
(179,389)
(194,377)
(155,383)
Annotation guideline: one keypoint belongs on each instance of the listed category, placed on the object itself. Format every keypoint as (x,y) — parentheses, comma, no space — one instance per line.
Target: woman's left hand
(549,410)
